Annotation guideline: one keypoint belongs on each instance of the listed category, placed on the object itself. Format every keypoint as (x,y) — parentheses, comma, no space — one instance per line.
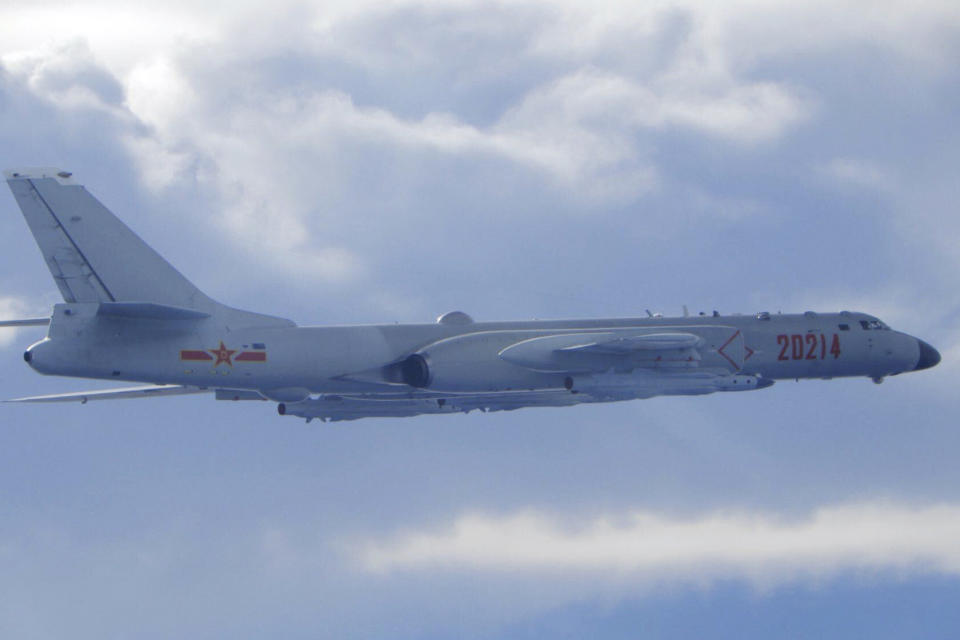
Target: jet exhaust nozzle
(415,371)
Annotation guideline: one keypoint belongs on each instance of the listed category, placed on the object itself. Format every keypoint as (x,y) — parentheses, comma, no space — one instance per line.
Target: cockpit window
(844,327)
(873,325)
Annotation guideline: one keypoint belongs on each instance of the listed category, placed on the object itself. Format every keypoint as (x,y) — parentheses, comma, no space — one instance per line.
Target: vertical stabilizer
(94,257)
(91,254)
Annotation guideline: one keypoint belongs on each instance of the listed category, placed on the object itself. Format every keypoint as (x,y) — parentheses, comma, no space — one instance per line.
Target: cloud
(857,173)
(760,548)
(922,33)
(117,33)
(576,128)
(67,75)
(610,107)
(346,174)
(321,140)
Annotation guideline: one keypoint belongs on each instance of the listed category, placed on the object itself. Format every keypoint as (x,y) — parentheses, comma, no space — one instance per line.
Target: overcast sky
(381,162)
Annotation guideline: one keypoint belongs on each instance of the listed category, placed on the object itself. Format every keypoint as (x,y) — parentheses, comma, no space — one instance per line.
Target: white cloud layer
(333,120)
(761,548)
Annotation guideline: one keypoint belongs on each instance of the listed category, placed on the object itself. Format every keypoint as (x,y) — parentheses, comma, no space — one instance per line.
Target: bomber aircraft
(129,315)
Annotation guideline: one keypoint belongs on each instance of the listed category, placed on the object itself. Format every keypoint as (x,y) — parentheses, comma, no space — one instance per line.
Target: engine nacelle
(450,370)
(468,363)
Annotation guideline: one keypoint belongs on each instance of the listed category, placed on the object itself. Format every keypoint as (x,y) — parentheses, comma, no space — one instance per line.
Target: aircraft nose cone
(929,357)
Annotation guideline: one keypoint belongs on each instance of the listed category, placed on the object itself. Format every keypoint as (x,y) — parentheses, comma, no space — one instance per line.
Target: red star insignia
(222,354)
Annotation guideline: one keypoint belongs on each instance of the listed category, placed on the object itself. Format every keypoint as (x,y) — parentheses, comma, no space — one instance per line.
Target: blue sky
(371,162)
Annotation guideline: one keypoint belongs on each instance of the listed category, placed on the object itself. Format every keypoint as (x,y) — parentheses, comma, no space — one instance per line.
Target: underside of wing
(146,391)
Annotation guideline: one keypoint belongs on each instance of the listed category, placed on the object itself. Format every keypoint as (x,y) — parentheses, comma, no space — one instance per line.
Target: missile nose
(929,357)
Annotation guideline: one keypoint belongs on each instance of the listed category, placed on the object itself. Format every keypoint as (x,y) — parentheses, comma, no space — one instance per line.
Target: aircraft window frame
(873,325)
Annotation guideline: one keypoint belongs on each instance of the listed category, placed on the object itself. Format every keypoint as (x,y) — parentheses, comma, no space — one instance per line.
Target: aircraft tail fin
(91,254)
(94,257)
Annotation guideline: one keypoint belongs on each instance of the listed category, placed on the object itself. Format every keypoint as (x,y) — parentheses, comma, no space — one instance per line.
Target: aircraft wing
(147,391)
(340,407)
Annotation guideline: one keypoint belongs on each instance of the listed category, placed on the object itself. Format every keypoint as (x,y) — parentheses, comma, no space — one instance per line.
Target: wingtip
(33,173)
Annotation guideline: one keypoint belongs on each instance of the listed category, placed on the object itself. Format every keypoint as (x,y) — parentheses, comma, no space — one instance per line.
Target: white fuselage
(460,357)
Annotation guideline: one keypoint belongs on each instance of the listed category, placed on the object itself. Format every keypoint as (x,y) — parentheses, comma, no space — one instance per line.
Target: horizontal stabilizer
(26,322)
(148,391)
(148,310)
